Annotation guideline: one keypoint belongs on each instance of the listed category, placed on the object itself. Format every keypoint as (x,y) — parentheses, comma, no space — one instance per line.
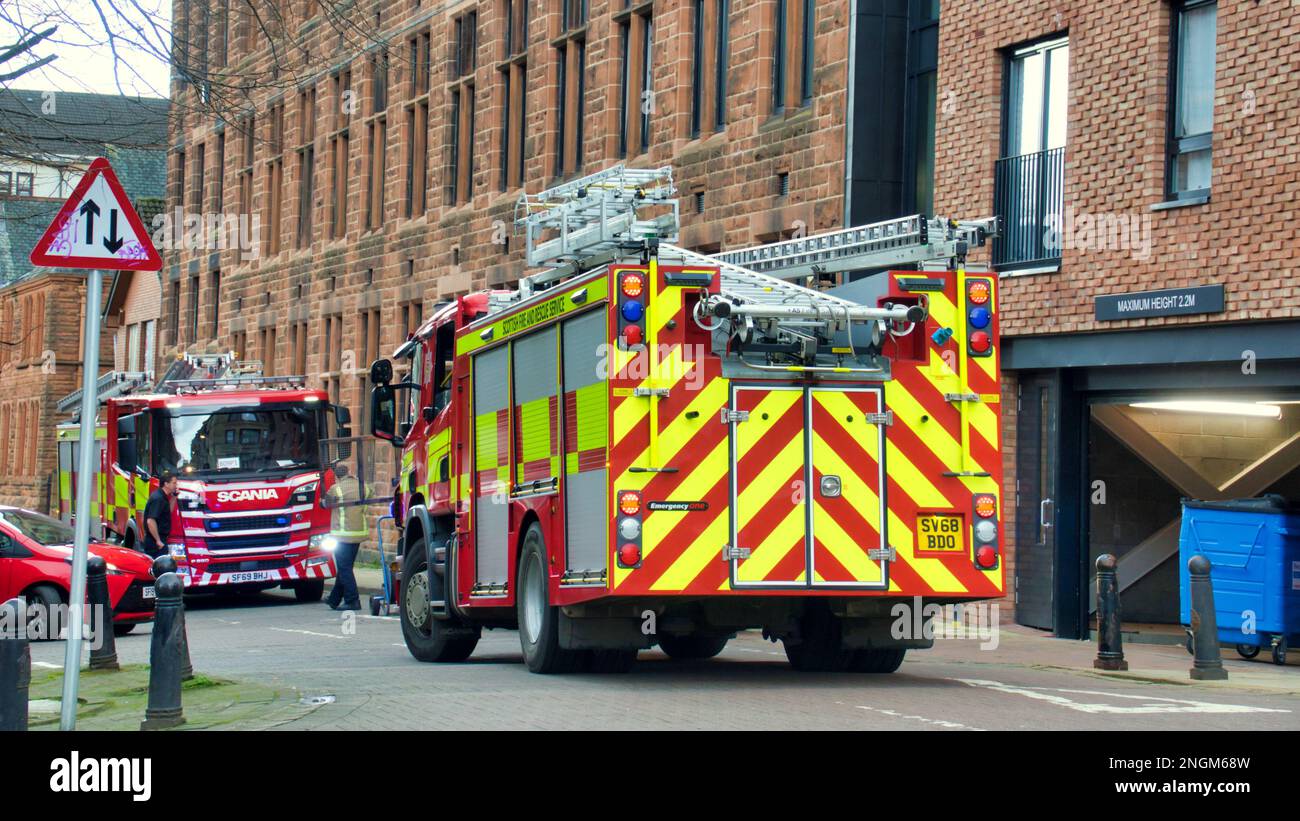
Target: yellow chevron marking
(936,575)
(844,547)
(708,545)
(783,538)
(936,438)
(680,431)
(627,415)
(985,422)
(988,364)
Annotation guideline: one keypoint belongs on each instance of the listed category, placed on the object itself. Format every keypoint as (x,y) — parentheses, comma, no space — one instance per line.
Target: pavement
(352,671)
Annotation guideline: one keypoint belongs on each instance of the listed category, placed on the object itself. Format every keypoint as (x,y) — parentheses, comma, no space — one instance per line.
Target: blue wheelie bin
(1254,550)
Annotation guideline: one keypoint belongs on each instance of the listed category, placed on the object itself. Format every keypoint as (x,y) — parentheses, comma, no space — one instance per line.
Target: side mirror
(381,372)
(126,455)
(342,415)
(429,414)
(383,414)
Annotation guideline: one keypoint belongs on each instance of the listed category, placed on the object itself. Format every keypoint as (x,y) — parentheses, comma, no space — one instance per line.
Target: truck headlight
(303,494)
(188,498)
(323,542)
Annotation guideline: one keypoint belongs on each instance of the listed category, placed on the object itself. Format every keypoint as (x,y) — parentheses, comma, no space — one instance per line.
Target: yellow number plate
(940,534)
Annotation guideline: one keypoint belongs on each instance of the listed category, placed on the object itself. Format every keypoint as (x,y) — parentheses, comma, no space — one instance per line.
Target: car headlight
(303,494)
(323,542)
(188,498)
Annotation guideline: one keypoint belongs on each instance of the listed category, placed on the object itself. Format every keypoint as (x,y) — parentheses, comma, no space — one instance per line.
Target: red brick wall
(450,248)
(1114,160)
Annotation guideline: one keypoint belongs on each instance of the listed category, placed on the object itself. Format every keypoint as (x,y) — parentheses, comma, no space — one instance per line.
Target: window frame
(1176,146)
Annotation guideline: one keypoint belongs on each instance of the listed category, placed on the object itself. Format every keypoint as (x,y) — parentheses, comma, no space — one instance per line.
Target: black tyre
(309,591)
(1248,651)
(428,638)
(691,648)
(374,605)
(1279,653)
(876,661)
(539,622)
(46,597)
(122,629)
(820,649)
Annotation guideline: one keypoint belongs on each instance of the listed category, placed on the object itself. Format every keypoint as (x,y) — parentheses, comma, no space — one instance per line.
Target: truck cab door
(438,392)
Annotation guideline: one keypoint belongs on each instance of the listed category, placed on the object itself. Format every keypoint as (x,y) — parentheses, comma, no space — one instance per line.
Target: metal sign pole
(85,482)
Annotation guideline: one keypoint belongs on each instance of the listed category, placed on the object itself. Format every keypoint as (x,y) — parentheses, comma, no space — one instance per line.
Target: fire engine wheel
(820,649)
(122,629)
(429,638)
(876,661)
(309,591)
(691,648)
(539,633)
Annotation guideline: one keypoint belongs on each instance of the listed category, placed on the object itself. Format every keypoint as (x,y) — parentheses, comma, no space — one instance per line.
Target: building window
(200,172)
(248,134)
(306,164)
(214,303)
(180,180)
(6,183)
(268,350)
(711,23)
(344,105)
(174,313)
(922,100)
(636,87)
(417,126)
(275,177)
(793,31)
(219,181)
(194,309)
(1029,179)
(463,102)
(299,337)
(377,142)
(514,93)
(1192,99)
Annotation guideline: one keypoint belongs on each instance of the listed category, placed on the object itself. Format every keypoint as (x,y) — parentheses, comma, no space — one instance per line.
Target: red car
(34,553)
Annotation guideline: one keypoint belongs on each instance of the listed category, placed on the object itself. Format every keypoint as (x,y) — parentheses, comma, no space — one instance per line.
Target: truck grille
(244,567)
(236,523)
(133,600)
(249,542)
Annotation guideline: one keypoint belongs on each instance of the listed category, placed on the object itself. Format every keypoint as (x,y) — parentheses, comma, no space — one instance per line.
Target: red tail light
(630,555)
(986,557)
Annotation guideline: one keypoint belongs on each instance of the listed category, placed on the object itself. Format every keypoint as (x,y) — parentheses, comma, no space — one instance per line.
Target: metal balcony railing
(1028,194)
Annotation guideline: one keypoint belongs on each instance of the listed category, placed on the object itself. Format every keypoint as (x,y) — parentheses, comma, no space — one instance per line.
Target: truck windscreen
(237,440)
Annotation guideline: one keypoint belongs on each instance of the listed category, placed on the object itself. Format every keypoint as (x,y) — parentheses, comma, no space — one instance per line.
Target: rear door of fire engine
(806,498)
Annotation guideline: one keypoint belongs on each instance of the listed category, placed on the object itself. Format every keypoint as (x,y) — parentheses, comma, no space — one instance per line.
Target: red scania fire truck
(246,452)
(643,445)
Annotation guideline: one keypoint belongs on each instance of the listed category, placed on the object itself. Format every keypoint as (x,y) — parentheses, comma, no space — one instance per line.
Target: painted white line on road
(376,618)
(1151,704)
(936,722)
(308,633)
(47,665)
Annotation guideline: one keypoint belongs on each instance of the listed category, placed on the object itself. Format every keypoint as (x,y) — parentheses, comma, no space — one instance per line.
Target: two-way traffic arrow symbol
(90,210)
(113,242)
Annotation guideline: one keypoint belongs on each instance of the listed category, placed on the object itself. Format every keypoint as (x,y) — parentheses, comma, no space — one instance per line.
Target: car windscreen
(38,528)
(228,440)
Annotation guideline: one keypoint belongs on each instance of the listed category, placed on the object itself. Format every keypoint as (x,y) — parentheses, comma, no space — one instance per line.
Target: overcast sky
(84,61)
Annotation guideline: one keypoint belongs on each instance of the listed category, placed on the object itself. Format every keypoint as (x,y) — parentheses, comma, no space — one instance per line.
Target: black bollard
(103,653)
(15,666)
(162,565)
(164,708)
(1207,665)
(1110,642)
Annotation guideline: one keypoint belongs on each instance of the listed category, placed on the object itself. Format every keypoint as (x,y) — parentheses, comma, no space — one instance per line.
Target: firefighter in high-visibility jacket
(349,529)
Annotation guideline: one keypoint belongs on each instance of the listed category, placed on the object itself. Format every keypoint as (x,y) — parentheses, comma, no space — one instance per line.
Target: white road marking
(936,722)
(308,633)
(47,665)
(376,618)
(1151,704)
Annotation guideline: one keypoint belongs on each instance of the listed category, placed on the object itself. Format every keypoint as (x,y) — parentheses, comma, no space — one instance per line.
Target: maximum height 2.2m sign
(97,228)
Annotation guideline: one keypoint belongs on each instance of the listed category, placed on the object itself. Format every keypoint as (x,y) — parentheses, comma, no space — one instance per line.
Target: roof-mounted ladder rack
(595,215)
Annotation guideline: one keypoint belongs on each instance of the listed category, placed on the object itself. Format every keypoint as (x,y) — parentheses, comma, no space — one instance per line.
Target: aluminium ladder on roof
(598,213)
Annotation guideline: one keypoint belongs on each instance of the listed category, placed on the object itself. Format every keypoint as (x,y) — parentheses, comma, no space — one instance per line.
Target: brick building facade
(385,175)
(1162,136)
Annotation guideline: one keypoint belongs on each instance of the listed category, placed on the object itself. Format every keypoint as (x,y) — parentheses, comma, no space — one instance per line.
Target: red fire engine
(246,452)
(645,445)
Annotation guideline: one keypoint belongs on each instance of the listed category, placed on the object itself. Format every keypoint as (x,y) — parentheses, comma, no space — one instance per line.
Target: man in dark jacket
(158,515)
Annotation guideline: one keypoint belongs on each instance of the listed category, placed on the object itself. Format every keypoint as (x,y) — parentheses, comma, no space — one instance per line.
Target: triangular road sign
(97,228)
